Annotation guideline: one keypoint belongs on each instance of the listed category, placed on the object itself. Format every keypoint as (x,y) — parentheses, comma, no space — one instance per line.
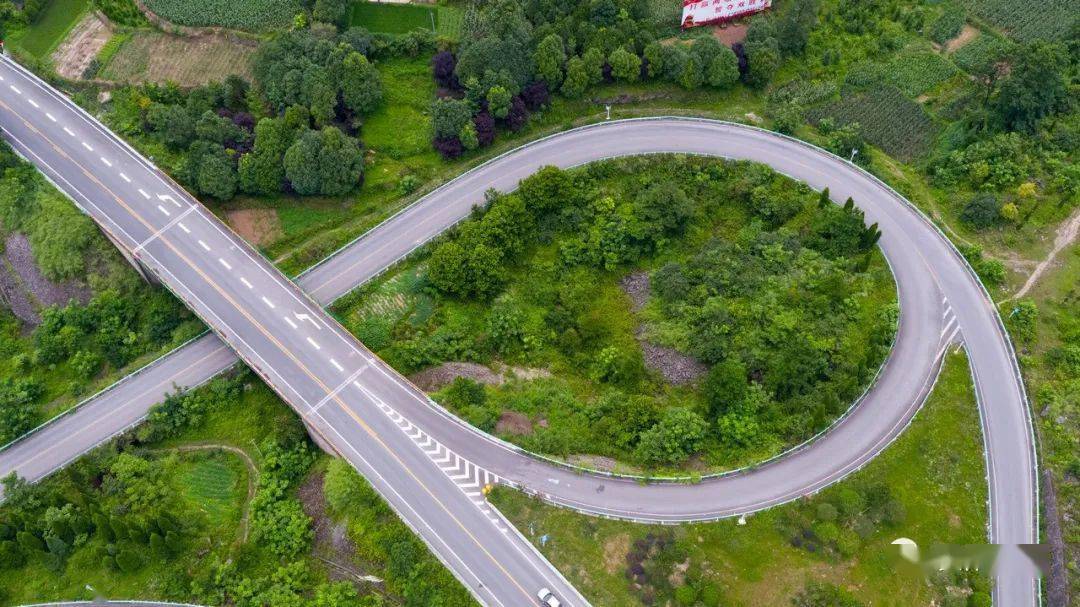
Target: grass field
(251,15)
(395,18)
(935,470)
(45,34)
(152,56)
(214,483)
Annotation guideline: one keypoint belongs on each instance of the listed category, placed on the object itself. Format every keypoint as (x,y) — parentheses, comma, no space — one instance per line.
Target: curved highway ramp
(428,464)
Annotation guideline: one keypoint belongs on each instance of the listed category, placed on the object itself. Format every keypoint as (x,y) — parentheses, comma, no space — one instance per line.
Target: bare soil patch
(37,291)
(260,227)
(595,462)
(513,422)
(151,56)
(967,34)
(1066,235)
(730,33)
(430,380)
(81,46)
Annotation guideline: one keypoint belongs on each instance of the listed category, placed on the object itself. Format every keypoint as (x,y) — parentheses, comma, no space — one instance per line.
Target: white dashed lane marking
(144,194)
(290,321)
(69,131)
(313,344)
(33,103)
(245,281)
(205,246)
(16,89)
(184,228)
(50,117)
(336,365)
(163,210)
(87,146)
(224,263)
(106,161)
(268,302)
(125,177)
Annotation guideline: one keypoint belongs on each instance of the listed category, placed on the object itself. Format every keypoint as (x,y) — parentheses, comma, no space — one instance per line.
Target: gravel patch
(14,297)
(676,368)
(46,292)
(636,286)
(513,422)
(430,380)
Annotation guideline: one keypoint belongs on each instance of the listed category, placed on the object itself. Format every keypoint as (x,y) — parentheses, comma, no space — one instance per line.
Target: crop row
(889,120)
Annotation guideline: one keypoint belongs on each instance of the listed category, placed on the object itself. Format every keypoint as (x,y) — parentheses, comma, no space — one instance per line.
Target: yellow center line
(285,350)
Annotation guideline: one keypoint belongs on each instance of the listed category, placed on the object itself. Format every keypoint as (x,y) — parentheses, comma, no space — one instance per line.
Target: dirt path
(81,46)
(253,475)
(1066,235)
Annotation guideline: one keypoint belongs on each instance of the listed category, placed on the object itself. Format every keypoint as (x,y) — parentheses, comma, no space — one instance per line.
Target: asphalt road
(940,302)
(310,361)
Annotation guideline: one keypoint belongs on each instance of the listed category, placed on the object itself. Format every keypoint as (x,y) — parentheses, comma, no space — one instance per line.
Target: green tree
(498,99)
(449,116)
(361,86)
(654,59)
(173,123)
(468,136)
(337,594)
(550,57)
(625,66)
(724,388)
(577,78)
(763,59)
(593,60)
(262,171)
(331,11)
(325,162)
(678,435)
(1035,87)
(212,170)
(722,72)
(691,76)
(982,211)
(129,560)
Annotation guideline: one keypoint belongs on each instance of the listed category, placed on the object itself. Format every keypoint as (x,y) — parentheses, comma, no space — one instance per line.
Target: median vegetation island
(828,550)
(218,499)
(665,313)
(76,315)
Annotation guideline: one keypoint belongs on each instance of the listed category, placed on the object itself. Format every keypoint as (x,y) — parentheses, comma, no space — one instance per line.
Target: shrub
(982,211)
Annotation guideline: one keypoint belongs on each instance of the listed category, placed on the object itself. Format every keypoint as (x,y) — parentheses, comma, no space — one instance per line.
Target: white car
(547,598)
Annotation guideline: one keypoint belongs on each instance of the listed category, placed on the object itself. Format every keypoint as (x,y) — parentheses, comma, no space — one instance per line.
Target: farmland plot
(916,71)
(982,50)
(1024,21)
(889,120)
(251,15)
(150,56)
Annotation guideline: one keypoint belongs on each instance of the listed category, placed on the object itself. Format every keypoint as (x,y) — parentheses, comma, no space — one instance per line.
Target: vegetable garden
(889,120)
(252,15)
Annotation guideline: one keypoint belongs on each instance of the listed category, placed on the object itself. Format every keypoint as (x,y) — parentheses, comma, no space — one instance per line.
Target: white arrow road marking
(168,198)
(308,318)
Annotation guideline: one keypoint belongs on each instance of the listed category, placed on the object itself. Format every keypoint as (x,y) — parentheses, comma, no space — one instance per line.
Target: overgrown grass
(935,470)
(46,33)
(395,18)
